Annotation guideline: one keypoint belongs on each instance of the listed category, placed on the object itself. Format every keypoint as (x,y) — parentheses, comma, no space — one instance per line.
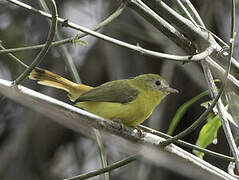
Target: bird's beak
(170,90)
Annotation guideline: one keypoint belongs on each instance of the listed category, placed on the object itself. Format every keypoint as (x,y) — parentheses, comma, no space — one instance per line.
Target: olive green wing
(115,91)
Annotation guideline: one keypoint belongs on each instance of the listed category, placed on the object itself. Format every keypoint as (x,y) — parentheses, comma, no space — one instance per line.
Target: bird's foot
(122,126)
(141,132)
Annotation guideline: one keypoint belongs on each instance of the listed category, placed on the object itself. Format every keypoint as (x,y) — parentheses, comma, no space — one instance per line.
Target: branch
(220,107)
(222,71)
(45,49)
(198,122)
(14,58)
(212,87)
(188,28)
(67,23)
(183,11)
(63,50)
(71,39)
(166,28)
(180,142)
(81,121)
(188,145)
(185,26)
(103,170)
(61,20)
(210,61)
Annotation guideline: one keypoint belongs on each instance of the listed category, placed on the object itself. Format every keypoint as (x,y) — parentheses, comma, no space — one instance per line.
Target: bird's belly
(130,114)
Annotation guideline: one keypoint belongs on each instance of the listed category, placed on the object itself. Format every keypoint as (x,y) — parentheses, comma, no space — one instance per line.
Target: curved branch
(139,49)
(44,50)
(71,39)
(220,106)
(103,170)
(198,122)
(63,50)
(211,84)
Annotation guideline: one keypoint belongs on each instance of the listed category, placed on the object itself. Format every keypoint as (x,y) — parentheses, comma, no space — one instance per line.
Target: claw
(141,132)
(118,121)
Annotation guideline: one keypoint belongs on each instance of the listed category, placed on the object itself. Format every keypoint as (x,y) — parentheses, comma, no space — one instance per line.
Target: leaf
(181,111)
(206,104)
(227,115)
(208,134)
(78,41)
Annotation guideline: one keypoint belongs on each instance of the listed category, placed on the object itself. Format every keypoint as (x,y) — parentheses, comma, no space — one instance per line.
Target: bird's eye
(158,83)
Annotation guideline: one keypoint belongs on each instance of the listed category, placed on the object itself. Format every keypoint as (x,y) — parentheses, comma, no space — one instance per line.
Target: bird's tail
(51,79)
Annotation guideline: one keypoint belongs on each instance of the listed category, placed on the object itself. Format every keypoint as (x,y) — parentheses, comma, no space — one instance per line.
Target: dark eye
(158,83)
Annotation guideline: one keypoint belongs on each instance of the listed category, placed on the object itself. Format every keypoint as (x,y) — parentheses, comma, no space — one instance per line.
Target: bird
(127,101)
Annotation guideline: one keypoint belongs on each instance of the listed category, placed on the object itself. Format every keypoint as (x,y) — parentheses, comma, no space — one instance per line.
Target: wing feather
(115,91)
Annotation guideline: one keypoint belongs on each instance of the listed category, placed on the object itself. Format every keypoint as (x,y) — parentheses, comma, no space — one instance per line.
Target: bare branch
(45,49)
(80,121)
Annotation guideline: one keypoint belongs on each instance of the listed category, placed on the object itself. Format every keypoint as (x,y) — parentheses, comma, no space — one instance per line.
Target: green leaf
(226,114)
(206,104)
(78,41)
(208,134)
(181,111)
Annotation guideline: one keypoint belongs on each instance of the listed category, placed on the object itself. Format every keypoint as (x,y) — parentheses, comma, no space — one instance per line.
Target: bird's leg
(118,120)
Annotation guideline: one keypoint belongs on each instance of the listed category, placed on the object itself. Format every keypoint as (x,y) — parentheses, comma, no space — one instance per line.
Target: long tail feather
(48,78)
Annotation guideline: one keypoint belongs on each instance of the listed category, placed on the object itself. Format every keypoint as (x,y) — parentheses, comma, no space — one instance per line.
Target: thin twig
(166,28)
(209,78)
(234,61)
(201,118)
(188,145)
(102,152)
(222,71)
(75,75)
(198,122)
(61,20)
(36,47)
(45,49)
(185,26)
(220,107)
(139,49)
(14,58)
(106,169)
(184,11)
(209,60)
(71,39)
(63,50)
(189,6)
(60,42)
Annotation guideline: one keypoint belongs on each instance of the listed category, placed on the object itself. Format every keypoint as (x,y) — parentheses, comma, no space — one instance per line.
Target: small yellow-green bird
(129,101)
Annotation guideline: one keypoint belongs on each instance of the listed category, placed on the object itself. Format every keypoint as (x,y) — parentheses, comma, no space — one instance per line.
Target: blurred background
(34,147)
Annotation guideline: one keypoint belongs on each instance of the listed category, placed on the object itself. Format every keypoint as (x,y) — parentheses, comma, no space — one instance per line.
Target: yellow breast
(130,114)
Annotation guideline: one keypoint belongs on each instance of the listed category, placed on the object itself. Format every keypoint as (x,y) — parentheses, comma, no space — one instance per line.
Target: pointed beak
(170,90)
